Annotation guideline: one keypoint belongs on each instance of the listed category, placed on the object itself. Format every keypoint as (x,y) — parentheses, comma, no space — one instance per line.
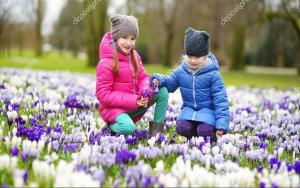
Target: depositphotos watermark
(29,65)
(91,7)
(236,9)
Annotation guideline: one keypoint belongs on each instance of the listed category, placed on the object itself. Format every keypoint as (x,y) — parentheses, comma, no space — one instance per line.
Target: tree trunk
(168,46)
(102,17)
(169,23)
(217,26)
(90,33)
(237,53)
(280,61)
(38,28)
(95,28)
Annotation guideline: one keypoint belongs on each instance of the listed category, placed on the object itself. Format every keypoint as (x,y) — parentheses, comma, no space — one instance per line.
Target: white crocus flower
(159,167)
(280,151)
(43,171)
(151,141)
(12,115)
(14,131)
(41,145)
(168,180)
(16,141)
(7,141)
(4,162)
(215,150)
(18,178)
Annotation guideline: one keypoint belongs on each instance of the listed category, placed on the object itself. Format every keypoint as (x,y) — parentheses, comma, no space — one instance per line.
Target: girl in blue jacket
(205,109)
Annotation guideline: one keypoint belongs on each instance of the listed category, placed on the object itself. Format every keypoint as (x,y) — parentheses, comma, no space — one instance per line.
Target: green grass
(57,61)
(49,61)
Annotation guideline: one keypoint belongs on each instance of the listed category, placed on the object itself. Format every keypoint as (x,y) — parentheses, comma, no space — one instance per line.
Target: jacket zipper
(134,81)
(194,96)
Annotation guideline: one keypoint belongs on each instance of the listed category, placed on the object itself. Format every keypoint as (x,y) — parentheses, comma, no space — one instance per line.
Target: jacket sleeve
(105,93)
(143,78)
(220,102)
(171,81)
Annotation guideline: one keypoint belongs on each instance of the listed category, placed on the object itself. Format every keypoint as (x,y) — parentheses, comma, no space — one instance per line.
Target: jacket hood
(210,67)
(106,48)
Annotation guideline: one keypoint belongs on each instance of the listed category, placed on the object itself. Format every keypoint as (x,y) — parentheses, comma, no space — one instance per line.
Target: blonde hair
(132,56)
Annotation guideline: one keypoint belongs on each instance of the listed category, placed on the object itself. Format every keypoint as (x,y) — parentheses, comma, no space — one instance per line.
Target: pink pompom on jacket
(118,93)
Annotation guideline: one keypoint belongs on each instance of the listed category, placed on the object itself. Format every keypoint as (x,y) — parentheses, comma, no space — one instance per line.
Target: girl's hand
(220,132)
(143,102)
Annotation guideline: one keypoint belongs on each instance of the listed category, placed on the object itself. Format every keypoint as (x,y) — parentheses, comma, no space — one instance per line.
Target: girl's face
(196,62)
(127,43)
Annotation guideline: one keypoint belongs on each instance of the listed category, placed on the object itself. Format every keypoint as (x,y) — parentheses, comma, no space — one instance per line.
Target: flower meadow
(52,136)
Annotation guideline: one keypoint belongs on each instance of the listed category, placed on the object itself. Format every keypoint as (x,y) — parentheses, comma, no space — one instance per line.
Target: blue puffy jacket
(203,94)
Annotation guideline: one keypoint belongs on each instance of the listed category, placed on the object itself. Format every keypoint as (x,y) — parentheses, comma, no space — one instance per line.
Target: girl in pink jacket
(123,86)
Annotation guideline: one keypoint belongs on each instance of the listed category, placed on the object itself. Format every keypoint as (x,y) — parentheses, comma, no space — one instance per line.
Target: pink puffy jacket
(118,93)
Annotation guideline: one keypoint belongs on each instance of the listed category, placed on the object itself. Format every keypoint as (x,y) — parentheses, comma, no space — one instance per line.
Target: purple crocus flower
(131,140)
(24,156)
(124,156)
(15,107)
(141,134)
(33,121)
(20,121)
(117,183)
(2,86)
(160,138)
(4,185)
(99,175)
(274,185)
(172,141)
(14,151)
(72,102)
(80,167)
(70,147)
(146,93)
(260,168)
(48,130)
(274,161)
(25,176)
(263,145)
(289,166)
(55,145)
(57,129)
(10,122)
(262,184)
(92,138)
(297,166)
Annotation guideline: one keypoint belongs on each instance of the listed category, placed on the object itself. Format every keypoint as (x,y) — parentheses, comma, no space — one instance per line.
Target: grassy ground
(58,61)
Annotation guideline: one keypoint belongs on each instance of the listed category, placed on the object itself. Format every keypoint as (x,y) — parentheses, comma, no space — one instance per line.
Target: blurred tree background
(243,32)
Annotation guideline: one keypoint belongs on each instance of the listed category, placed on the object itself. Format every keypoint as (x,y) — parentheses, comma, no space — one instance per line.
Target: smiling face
(196,62)
(127,43)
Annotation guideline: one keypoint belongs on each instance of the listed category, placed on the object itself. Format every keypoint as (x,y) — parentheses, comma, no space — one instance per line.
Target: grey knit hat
(123,25)
(196,43)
